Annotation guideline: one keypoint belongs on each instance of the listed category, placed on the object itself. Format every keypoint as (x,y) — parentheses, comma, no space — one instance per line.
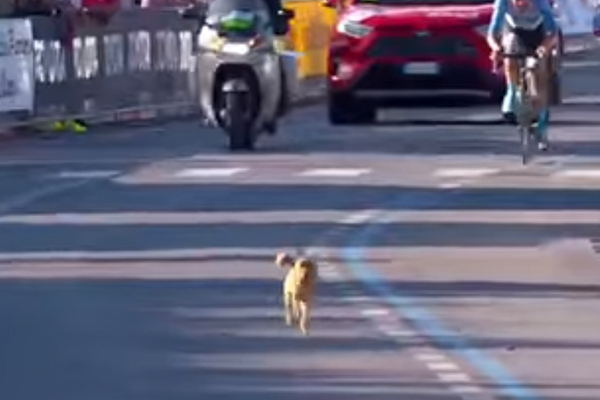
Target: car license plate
(421,68)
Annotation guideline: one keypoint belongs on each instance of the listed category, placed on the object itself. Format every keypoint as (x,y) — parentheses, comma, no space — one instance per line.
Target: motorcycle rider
(524,26)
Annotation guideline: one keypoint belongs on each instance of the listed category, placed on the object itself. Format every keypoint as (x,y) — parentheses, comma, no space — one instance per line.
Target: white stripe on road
(522,217)
(451,185)
(335,172)
(442,366)
(430,357)
(374,312)
(358,299)
(578,173)
(401,333)
(358,218)
(464,172)
(97,174)
(454,377)
(209,172)
(465,389)
(177,254)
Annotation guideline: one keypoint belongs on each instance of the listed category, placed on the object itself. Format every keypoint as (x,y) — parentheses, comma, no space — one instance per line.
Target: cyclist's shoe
(543,143)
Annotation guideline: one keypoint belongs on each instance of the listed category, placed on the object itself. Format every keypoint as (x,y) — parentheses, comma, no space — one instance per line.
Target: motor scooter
(245,83)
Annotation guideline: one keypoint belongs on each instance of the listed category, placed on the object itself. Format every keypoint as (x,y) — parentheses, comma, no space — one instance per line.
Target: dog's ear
(283,260)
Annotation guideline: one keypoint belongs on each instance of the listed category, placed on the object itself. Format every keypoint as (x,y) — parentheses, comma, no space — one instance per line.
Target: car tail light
(344,71)
(341,70)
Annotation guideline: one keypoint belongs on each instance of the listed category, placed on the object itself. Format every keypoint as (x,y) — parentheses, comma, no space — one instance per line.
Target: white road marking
(450,185)
(401,333)
(358,218)
(442,366)
(126,255)
(465,389)
(454,377)
(358,299)
(464,172)
(335,172)
(578,173)
(430,357)
(374,312)
(97,174)
(209,172)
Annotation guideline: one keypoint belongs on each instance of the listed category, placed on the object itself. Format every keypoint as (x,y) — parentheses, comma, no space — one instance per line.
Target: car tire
(342,110)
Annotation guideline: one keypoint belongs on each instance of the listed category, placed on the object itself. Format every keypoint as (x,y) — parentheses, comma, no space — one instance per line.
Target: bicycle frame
(525,111)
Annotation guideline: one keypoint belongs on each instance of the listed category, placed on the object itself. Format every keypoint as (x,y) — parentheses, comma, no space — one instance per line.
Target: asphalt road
(137,263)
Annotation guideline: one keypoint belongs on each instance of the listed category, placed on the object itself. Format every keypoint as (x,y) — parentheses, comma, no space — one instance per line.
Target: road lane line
(454,377)
(209,172)
(464,172)
(430,357)
(335,172)
(442,366)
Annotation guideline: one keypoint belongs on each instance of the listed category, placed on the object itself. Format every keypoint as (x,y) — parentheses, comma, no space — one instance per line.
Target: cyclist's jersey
(528,18)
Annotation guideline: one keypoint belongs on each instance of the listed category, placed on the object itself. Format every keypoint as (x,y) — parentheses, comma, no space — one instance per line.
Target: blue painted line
(426,322)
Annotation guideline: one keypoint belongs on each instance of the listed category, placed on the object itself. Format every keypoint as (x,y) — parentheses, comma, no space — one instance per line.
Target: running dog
(298,290)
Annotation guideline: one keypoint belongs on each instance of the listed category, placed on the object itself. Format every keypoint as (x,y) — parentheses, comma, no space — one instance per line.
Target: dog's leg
(304,307)
(288,309)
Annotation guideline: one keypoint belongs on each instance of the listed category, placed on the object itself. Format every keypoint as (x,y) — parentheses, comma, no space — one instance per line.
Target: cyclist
(519,26)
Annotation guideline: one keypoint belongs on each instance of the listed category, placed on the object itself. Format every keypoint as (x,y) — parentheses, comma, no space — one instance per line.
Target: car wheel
(345,111)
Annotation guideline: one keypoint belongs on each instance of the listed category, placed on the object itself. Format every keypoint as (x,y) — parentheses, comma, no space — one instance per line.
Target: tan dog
(298,289)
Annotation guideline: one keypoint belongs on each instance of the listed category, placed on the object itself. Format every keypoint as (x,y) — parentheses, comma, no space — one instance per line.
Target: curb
(313,92)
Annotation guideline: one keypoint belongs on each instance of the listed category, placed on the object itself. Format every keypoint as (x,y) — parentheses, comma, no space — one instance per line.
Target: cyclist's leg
(541,91)
(511,44)
(540,83)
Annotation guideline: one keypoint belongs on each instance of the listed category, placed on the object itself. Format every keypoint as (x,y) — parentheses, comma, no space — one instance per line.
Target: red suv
(385,52)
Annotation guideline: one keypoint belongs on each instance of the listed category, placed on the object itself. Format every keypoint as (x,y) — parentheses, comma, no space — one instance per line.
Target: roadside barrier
(138,66)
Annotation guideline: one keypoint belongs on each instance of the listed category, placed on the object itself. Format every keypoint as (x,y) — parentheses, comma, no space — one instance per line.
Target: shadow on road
(180,339)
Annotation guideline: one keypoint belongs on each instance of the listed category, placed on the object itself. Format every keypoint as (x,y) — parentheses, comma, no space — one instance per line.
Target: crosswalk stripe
(335,172)
(578,173)
(209,172)
(464,172)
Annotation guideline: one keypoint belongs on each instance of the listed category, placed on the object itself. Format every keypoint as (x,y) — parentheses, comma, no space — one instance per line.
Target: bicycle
(526,112)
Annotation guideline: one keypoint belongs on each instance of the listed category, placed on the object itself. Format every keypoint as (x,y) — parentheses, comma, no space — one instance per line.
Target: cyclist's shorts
(519,40)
